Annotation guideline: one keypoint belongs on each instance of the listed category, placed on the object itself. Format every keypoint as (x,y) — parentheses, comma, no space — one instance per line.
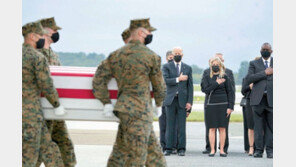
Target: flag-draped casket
(74,86)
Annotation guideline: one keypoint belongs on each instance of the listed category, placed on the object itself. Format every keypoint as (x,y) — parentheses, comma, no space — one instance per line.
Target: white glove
(60,111)
(108,110)
(157,111)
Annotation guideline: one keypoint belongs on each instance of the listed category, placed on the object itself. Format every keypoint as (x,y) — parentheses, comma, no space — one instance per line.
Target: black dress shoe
(167,153)
(206,152)
(174,151)
(269,155)
(223,155)
(258,155)
(181,153)
(211,155)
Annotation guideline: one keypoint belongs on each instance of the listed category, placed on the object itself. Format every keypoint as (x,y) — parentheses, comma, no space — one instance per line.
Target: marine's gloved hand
(108,110)
(157,111)
(60,111)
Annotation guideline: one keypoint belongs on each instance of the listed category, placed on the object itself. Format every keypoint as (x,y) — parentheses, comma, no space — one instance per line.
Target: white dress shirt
(268,61)
(180,64)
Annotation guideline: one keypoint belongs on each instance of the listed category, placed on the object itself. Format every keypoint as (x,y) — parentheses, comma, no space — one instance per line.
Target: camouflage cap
(50,23)
(141,23)
(125,34)
(33,27)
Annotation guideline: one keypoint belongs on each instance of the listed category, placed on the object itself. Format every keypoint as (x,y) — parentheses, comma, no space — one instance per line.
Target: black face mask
(148,39)
(177,58)
(40,43)
(55,37)
(215,68)
(265,54)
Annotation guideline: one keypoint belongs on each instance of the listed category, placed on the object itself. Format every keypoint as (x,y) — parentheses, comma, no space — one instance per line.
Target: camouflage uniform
(125,34)
(133,66)
(36,80)
(58,128)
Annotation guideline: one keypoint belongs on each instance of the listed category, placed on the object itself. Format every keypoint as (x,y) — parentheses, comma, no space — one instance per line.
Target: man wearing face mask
(162,118)
(229,74)
(133,66)
(36,139)
(178,100)
(260,73)
(57,128)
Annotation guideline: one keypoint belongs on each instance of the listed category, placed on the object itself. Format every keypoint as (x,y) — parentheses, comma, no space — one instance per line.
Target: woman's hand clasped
(220,80)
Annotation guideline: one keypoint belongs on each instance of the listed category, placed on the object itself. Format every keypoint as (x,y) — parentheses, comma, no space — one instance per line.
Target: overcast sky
(236,28)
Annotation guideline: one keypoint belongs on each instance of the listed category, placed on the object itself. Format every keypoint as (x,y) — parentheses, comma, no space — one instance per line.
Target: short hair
(219,54)
(169,53)
(266,44)
(177,48)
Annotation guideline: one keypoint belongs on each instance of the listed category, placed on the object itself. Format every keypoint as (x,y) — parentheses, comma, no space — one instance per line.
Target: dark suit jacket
(228,72)
(246,91)
(260,80)
(184,88)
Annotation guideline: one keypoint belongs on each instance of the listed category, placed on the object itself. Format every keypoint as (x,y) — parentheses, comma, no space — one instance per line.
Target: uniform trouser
(136,144)
(226,145)
(175,113)
(262,113)
(246,134)
(61,137)
(162,130)
(37,143)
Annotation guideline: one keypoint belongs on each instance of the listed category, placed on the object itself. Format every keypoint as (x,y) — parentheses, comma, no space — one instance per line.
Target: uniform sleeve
(44,81)
(158,84)
(100,82)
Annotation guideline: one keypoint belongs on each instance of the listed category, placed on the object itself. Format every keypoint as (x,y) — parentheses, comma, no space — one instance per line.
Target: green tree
(80,59)
(242,72)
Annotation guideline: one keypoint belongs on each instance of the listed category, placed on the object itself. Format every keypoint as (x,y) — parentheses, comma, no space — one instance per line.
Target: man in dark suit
(261,99)
(229,73)
(178,100)
(162,118)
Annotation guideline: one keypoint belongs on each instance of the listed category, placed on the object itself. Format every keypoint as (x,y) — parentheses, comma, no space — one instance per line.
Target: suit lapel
(261,63)
(271,62)
(182,68)
(173,67)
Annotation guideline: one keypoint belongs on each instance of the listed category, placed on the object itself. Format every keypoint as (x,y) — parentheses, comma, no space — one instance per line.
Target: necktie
(178,71)
(266,64)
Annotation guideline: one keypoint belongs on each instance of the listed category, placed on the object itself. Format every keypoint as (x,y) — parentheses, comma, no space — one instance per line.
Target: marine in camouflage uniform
(36,80)
(57,128)
(133,66)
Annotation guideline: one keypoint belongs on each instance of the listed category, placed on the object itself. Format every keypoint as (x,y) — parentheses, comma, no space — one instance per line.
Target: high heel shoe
(249,152)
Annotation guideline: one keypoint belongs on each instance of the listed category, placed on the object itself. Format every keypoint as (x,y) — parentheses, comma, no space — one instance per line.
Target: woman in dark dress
(219,104)
(246,91)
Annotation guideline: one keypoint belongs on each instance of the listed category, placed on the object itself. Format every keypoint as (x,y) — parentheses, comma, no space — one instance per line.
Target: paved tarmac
(93,145)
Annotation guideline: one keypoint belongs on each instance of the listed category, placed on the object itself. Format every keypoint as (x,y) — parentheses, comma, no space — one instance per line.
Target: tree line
(94,59)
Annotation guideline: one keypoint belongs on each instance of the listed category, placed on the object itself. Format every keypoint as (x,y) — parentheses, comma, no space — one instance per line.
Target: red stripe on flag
(83,93)
(64,74)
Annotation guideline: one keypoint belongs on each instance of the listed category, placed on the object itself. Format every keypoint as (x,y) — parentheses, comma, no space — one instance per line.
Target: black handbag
(243,102)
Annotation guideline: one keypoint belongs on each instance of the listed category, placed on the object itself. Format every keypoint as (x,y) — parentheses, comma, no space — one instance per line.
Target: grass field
(199,117)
